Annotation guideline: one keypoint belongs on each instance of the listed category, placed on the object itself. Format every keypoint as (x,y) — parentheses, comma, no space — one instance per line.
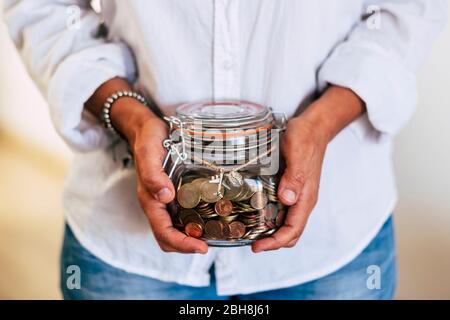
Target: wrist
(312,130)
(318,118)
(128,116)
(335,110)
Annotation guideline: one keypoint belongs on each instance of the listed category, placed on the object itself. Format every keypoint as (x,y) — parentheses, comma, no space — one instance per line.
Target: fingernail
(163,193)
(289,195)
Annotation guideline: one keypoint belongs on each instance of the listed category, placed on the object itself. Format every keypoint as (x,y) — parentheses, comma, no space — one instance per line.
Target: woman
(343,71)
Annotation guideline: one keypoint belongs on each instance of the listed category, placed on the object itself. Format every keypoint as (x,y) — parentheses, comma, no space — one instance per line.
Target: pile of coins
(234,209)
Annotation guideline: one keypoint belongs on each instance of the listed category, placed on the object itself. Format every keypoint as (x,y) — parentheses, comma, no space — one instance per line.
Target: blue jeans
(354,281)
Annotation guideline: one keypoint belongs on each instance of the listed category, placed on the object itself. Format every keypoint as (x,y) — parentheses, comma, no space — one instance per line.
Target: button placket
(226,86)
(226,50)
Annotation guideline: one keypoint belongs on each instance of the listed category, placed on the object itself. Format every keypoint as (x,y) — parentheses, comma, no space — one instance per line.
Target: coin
(198,182)
(226,230)
(270,184)
(246,193)
(270,232)
(255,185)
(232,192)
(185,212)
(184,215)
(230,218)
(237,230)
(260,229)
(245,236)
(194,230)
(280,218)
(270,212)
(271,224)
(209,192)
(195,217)
(235,178)
(188,196)
(259,200)
(223,207)
(214,229)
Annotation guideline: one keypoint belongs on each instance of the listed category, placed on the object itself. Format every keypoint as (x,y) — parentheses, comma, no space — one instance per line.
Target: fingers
(296,219)
(149,159)
(155,189)
(169,238)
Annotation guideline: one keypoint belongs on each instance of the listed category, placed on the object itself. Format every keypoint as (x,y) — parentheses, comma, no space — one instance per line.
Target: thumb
(153,177)
(291,185)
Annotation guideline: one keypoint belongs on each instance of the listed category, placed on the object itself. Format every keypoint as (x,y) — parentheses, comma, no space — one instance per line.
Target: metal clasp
(173,147)
(174,123)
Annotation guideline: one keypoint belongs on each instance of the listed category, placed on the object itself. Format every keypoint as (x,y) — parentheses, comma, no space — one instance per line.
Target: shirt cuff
(386,86)
(74,82)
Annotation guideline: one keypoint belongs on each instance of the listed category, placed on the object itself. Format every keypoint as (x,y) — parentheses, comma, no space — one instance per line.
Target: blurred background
(33,161)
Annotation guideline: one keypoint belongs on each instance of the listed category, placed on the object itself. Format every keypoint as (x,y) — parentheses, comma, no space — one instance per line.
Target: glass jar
(224,161)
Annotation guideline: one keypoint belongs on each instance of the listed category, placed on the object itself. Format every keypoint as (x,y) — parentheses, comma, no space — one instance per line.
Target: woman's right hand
(145,133)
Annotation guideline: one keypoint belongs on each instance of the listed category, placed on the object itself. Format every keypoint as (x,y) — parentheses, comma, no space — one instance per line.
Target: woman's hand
(145,132)
(303,147)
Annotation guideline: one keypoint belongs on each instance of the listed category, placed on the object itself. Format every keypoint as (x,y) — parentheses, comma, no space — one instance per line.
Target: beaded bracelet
(110,102)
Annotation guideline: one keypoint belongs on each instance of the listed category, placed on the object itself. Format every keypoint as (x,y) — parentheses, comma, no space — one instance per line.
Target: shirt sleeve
(381,56)
(57,41)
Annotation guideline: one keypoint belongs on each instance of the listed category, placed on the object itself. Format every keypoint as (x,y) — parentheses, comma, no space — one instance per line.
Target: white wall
(423,148)
(422,163)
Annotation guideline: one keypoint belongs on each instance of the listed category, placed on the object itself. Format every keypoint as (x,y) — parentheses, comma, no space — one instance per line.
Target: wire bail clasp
(173,146)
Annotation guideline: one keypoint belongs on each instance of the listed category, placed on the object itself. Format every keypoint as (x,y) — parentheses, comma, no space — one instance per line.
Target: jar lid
(222,111)
(220,130)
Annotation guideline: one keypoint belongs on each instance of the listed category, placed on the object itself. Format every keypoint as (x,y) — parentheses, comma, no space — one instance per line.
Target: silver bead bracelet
(106,111)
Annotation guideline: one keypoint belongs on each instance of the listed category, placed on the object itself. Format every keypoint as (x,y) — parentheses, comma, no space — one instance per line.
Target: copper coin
(184,213)
(194,230)
(226,230)
(237,230)
(259,200)
(214,229)
(195,217)
(223,207)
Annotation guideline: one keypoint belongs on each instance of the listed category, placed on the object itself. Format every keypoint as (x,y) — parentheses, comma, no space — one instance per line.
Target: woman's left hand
(303,147)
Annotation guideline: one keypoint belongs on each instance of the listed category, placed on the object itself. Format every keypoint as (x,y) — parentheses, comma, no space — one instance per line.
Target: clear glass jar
(224,162)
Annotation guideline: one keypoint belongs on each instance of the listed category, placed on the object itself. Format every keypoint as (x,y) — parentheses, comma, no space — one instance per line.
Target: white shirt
(277,53)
